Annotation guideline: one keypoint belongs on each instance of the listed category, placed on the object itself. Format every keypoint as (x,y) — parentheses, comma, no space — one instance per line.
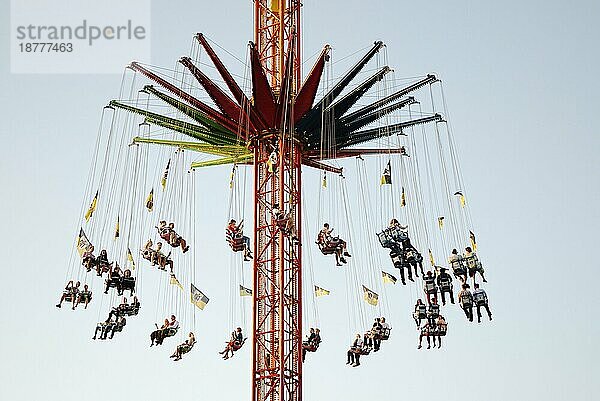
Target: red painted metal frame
(277,295)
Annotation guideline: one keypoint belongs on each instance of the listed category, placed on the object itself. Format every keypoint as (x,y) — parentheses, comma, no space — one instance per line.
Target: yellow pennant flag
(403,198)
(431,258)
(150,200)
(388,278)
(319,292)
(371,297)
(117,228)
(163,181)
(176,282)
(324,182)
(245,292)
(83,243)
(197,297)
(386,177)
(232,177)
(461,198)
(130,259)
(473,243)
(441,222)
(92,208)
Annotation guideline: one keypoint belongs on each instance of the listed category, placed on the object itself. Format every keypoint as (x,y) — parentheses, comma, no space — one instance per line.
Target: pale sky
(519,78)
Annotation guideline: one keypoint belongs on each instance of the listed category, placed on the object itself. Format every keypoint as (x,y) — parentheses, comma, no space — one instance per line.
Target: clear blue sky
(520,80)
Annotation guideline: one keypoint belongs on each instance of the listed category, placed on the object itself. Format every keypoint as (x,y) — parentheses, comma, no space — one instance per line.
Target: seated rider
(167,233)
(149,253)
(84,296)
(236,341)
(440,330)
(420,312)
(376,334)
(185,347)
(326,240)
(171,329)
(117,326)
(465,299)
(433,311)
(117,311)
(114,279)
(355,351)
(310,343)
(427,330)
(88,259)
(444,282)
(102,264)
(480,299)
(473,264)
(429,286)
(127,283)
(103,328)
(161,259)
(413,257)
(235,232)
(285,221)
(156,335)
(457,264)
(70,293)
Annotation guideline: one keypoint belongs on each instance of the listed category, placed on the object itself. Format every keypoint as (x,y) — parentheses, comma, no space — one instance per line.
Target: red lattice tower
(277,295)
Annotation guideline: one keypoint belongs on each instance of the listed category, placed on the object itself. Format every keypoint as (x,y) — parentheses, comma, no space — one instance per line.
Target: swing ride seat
(383,333)
(412,256)
(330,247)
(458,267)
(362,350)
(430,288)
(128,283)
(435,330)
(446,286)
(237,243)
(103,267)
(237,345)
(391,236)
(118,328)
(185,348)
(310,347)
(170,332)
(433,311)
(421,313)
(85,296)
(480,298)
(473,264)
(89,262)
(129,309)
(70,296)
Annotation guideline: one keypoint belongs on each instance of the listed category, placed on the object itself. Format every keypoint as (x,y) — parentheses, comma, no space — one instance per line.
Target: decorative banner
(431,258)
(83,243)
(163,182)
(403,198)
(176,282)
(92,208)
(245,292)
(150,200)
(473,243)
(441,222)
(371,297)
(386,177)
(130,259)
(388,278)
(324,182)
(197,297)
(319,292)
(461,198)
(117,228)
